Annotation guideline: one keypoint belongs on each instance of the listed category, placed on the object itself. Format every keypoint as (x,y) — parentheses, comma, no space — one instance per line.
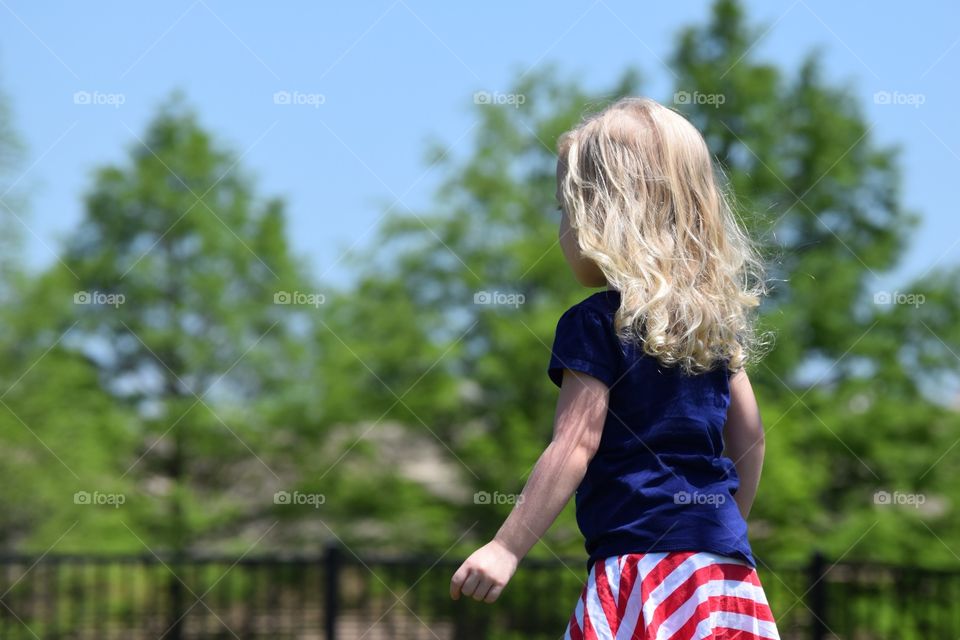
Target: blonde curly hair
(640,191)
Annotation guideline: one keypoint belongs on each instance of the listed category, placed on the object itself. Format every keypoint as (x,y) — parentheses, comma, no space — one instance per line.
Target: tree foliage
(416,401)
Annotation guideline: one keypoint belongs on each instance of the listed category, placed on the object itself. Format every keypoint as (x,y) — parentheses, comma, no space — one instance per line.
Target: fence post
(818,596)
(178,610)
(331,563)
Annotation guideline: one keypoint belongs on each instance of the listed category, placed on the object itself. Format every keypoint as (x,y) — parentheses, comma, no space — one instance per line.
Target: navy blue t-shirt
(659,480)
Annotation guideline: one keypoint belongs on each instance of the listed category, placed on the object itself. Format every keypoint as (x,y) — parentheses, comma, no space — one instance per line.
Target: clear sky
(396,73)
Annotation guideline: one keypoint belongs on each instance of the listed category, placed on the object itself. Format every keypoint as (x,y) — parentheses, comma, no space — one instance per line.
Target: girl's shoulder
(606,302)
(594,315)
(585,340)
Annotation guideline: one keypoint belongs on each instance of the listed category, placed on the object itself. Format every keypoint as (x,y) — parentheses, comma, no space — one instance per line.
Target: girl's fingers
(493,594)
(456,582)
(480,593)
(473,583)
(470,584)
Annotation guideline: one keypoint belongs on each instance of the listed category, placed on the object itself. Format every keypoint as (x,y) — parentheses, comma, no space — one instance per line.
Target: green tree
(58,428)
(841,392)
(183,294)
(11,200)
(826,198)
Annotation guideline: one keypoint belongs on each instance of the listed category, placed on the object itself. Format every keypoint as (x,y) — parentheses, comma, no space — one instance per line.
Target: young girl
(657,430)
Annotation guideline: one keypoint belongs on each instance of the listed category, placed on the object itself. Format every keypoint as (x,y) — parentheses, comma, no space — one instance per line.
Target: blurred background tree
(167,335)
(842,392)
(406,395)
(57,426)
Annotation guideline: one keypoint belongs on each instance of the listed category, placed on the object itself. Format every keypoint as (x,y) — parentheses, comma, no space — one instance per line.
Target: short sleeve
(584,342)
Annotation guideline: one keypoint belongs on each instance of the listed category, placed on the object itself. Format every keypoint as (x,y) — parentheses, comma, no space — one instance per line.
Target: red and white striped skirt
(679,595)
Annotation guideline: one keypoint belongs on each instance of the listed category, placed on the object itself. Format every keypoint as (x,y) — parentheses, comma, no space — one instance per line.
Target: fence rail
(340,596)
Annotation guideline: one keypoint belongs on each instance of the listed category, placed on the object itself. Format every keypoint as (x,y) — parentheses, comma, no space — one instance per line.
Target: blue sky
(396,73)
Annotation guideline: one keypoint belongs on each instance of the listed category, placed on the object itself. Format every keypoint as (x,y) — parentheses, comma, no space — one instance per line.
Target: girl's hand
(485,573)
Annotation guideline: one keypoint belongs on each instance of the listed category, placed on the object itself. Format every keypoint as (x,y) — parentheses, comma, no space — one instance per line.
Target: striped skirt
(679,595)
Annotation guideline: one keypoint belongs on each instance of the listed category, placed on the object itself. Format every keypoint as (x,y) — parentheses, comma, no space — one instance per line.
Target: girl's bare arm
(744,440)
(581,413)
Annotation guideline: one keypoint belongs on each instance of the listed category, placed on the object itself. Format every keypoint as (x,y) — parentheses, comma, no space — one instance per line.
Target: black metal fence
(338,595)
